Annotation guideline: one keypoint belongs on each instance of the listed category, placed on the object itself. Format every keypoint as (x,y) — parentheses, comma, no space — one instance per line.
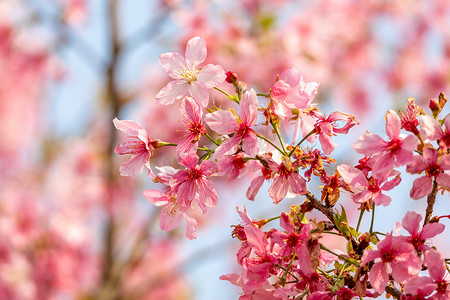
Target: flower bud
(231,77)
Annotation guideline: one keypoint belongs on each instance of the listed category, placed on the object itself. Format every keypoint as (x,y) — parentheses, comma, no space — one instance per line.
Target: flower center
(442,287)
(189,74)
(195,174)
(395,145)
(293,239)
(433,170)
(388,256)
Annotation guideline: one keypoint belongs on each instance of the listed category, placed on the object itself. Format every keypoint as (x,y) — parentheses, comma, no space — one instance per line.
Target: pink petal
(417,165)
(430,230)
(195,52)
(222,122)
(327,143)
(392,124)
(381,199)
(228,147)
(352,176)
(430,155)
(233,278)
(174,90)
(207,193)
(443,179)
(362,197)
(256,238)
(156,197)
(378,277)
(411,222)
(208,167)
(444,162)
(186,193)
(211,75)
(291,77)
(254,187)
(190,109)
(248,108)
(278,190)
(297,184)
(250,144)
(173,64)
(191,227)
(430,128)
(405,269)
(435,263)
(135,165)
(129,127)
(421,187)
(170,217)
(389,185)
(420,285)
(369,144)
(199,91)
(189,161)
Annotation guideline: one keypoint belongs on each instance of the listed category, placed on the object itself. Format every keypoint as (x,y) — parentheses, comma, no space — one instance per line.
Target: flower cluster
(293,263)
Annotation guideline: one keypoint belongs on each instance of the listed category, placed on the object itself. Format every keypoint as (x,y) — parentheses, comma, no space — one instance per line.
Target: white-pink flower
(411,222)
(397,151)
(434,167)
(369,188)
(224,122)
(138,144)
(189,78)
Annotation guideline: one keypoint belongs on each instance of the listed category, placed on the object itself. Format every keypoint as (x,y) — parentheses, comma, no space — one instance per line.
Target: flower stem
(340,256)
(371,221)
(359,220)
(303,139)
(228,95)
(431,199)
(211,139)
(277,130)
(270,142)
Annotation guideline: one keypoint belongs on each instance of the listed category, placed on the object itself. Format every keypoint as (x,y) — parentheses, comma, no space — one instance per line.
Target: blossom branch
(431,199)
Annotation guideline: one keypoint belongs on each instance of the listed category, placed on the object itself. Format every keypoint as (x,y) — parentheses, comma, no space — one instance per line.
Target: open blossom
(290,91)
(285,180)
(393,257)
(193,124)
(369,188)
(171,212)
(430,129)
(224,122)
(195,179)
(424,285)
(397,151)
(326,127)
(138,144)
(434,167)
(411,222)
(189,79)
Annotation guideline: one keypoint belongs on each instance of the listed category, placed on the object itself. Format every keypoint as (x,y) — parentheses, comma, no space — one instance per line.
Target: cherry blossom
(434,167)
(194,128)
(418,238)
(189,79)
(393,257)
(224,122)
(369,188)
(138,144)
(285,179)
(397,152)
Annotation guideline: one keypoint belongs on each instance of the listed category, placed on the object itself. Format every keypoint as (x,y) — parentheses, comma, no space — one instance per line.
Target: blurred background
(73,228)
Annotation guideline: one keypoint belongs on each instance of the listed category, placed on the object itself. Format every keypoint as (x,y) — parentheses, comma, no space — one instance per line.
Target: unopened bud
(434,106)
(231,77)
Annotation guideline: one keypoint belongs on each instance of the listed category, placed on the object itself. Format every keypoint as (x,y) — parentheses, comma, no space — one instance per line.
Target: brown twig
(431,199)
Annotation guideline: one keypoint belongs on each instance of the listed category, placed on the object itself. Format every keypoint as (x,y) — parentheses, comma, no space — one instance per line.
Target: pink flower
(424,286)
(189,79)
(369,188)
(138,144)
(285,180)
(411,222)
(257,182)
(326,127)
(397,152)
(428,162)
(432,130)
(171,213)
(193,179)
(394,257)
(224,122)
(290,91)
(192,114)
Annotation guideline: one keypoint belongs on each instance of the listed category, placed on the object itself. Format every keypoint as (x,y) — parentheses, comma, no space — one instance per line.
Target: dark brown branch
(431,199)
